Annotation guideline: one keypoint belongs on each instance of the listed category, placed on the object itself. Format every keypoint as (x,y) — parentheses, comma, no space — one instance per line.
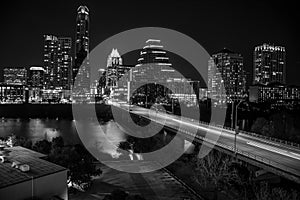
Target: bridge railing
(284,142)
(257,158)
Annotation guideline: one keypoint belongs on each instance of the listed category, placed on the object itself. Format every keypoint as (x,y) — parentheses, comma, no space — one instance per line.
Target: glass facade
(15,76)
(65,62)
(225,69)
(36,77)
(50,61)
(269,64)
(153,66)
(273,93)
(57,62)
(81,66)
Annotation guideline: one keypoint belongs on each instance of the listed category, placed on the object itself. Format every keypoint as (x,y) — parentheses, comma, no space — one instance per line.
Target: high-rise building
(116,76)
(57,62)
(82,48)
(114,62)
(64,75)
(153,65)
(36,76)
(15,75)
(226,75)
(153,77)
(51,62)
(269,64)
(35,83)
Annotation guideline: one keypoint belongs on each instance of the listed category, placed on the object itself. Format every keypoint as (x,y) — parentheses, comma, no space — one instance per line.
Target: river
(39,129)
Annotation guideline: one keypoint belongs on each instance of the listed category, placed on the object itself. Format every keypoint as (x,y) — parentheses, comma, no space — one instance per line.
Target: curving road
(277,155)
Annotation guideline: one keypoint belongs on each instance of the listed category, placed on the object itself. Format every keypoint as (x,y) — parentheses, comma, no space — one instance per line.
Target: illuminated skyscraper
(15,75)
(116,76)
(153,74)
(64,75)
(82,48)
(114,61)
(57,62)
(269,64)
(50,61)
(153,65)
(225,69)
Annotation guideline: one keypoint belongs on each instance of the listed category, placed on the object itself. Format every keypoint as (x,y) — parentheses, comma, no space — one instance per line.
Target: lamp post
(236,129)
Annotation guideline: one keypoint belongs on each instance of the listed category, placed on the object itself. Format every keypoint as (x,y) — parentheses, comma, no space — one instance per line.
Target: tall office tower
(153,65)
(114,61)
(153,74)
(269,64)
(50,61)
(225,69)
(64,76)
(82,48)
(36,77)
(15,75)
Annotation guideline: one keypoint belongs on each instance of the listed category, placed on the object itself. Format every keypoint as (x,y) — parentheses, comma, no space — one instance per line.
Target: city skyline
(244,45)
(60,70)
(149,100)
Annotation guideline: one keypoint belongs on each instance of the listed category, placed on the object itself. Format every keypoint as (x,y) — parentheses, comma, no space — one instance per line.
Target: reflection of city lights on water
(51,133)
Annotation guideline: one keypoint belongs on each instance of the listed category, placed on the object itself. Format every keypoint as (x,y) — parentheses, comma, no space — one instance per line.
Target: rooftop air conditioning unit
(15,164)
(24,168)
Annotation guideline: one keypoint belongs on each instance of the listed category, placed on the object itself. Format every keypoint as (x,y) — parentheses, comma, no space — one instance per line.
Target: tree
(263,191)
(135,197)
(108,197)
(43,146)
(215,170)
(259,124)
(79,162)
(125,145)
(57,142)
(20,141)
(122,195)
(119,195)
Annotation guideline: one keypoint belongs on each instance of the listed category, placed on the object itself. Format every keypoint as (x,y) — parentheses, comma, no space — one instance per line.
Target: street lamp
(236,127)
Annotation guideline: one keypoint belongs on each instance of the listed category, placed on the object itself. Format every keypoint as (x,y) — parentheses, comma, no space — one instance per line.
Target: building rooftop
(38,167)
(18,150)
(37,69)
(225,50)
(275,84)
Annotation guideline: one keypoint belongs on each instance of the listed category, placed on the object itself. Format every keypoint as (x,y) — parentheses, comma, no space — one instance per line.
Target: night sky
(237,25)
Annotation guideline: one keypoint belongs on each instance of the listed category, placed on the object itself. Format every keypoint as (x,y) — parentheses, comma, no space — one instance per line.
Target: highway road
(277,155)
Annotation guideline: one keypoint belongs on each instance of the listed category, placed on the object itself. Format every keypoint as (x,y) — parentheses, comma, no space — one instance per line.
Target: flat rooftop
(18,150)
(38,167)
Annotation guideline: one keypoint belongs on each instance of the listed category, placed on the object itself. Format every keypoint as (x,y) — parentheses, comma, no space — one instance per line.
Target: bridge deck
(281,159)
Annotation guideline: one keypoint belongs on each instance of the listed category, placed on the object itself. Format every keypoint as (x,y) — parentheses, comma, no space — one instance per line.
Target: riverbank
(48,110)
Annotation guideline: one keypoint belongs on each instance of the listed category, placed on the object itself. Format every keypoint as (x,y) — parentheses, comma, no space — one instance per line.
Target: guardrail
(252,156)
(292,144)
(280,141)
(249,155)
(285,142)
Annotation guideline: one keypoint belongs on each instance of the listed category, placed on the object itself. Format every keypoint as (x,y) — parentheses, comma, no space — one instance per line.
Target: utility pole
(236,127)
(232,113)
